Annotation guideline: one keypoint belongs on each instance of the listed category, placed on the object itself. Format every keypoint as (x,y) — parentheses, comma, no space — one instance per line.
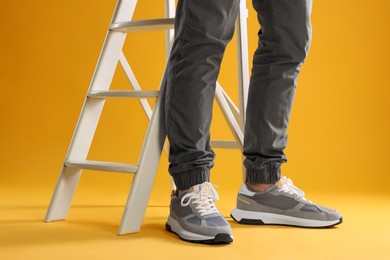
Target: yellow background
(338,134)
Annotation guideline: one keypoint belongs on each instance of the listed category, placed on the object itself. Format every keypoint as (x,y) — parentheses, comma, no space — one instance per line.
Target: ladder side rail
(86,125)
(243,70)
(243,61)
(147,167)
(150,154)
(101,80)
(170,12)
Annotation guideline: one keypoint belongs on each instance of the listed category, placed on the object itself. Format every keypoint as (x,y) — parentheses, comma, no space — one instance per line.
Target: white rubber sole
(262,218)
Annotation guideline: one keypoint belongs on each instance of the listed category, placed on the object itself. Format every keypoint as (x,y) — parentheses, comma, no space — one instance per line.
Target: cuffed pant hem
(270,174)
(186,180)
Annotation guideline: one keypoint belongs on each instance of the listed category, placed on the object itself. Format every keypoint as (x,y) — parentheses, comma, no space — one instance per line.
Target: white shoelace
(203,198)
(290,188)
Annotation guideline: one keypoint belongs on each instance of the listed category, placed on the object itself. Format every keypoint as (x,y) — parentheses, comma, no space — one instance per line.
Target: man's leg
(203,28)
(284,41)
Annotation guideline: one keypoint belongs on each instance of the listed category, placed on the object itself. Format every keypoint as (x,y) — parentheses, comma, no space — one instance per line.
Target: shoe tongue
(273,187)
(199,187)
(278,184)
(195,188)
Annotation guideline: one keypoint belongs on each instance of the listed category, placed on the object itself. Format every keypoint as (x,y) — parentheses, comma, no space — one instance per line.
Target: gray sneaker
(195,218)
(282,204)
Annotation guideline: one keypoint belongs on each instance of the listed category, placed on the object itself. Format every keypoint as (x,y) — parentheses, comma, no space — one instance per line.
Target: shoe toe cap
(331,214)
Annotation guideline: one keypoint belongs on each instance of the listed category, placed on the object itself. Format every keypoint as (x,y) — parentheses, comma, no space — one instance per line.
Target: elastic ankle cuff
(269,174)
(186,180)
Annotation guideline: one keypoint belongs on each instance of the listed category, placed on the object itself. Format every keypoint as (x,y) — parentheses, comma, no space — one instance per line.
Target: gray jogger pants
(203,28)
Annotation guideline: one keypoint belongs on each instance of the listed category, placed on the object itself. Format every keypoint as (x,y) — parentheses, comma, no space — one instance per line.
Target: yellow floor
(90,232)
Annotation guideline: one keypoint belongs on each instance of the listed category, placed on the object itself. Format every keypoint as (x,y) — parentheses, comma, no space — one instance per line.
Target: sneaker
(195,218)
(282,204)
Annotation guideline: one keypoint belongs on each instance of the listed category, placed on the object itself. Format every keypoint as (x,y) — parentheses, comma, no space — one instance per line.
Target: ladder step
(143,25)
(227,144)
(102,166)
(123,93)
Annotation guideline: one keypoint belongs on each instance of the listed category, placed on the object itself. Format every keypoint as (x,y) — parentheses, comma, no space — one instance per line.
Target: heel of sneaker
(168,227)
(239,216)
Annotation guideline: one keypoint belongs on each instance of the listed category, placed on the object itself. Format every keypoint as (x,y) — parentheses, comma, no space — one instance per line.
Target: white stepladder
(99,90)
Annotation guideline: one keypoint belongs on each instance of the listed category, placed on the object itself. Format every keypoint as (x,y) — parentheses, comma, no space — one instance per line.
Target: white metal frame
(75,160)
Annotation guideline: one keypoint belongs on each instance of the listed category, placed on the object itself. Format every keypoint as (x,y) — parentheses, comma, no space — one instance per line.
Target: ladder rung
(102,166)
(143,25)
(123,93)
(227,144)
